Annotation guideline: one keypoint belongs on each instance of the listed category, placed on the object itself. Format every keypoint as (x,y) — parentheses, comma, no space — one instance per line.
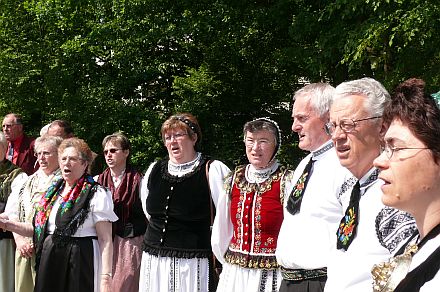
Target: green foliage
(129,64)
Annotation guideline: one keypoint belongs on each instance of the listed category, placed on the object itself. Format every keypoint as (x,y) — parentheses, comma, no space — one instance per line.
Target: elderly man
(313,209)
(20,149)
(357,131)
(11,181)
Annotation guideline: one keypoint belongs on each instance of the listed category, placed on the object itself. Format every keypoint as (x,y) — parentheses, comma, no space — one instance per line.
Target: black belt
(301,274)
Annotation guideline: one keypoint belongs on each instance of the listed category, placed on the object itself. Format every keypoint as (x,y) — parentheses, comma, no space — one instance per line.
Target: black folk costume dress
(176,200)
(246,228)
(67,250)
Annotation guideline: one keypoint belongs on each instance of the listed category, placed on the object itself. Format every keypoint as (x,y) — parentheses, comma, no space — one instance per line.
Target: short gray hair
(320,96)
(377,97)
(53,141)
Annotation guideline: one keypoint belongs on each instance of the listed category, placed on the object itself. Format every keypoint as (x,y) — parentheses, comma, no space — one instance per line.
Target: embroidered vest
(180,213)
(257,214)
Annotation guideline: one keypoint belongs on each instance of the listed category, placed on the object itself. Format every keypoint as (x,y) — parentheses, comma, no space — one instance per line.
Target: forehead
(70,151)
(112,144)
(262,134)
(302,105)
(9,120)
(55,130)
(174,129)
(45,146)
(398,131)
(349,107)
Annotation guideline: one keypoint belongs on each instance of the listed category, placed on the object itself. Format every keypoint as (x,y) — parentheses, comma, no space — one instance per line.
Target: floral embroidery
(300,185)
(345,230)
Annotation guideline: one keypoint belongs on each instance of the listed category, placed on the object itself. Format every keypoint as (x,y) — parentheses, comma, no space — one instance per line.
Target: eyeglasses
(45,154)
(346,125)
(111,150)
(72,159)
(389,150)
(262,142)
(6,126)
(177,136)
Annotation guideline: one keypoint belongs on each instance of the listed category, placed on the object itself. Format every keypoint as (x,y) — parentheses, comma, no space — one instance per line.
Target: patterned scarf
(71,214)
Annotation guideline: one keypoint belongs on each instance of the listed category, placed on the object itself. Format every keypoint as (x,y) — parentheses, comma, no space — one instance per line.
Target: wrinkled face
(56,130)
(260,147)
(357,149)
(180,145)
(71,165)
(11,129)
(411,177)
(115,157)
(47,157)
(308,124)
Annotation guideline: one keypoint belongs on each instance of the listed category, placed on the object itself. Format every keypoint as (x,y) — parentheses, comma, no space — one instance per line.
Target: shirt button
(161,240)
(172,188)
(163,230)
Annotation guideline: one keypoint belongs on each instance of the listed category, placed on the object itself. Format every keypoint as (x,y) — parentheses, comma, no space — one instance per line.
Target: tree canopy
(126,65)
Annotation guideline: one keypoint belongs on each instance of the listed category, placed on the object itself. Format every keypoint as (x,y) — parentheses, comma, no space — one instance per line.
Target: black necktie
(11,152)
(347,228)
(295,197)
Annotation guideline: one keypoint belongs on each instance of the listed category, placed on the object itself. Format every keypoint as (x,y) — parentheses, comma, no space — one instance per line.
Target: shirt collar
(322,150)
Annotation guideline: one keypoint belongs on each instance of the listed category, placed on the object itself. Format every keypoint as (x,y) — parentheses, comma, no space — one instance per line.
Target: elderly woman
(410,169)
(72,227)
(250,214)
(11,180)
(21,209)
(124,183)
(177,195)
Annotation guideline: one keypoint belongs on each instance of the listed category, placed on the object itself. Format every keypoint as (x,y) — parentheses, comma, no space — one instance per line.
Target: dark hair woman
(177,195)
(410,169)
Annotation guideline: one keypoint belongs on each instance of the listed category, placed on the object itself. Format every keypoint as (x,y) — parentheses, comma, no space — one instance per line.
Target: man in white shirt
(313,209)
(357,130)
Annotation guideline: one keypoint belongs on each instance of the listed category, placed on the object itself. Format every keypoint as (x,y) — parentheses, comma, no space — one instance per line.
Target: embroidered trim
(347,185)
(176,168)
(244,186)
(302,274)
(263,281)
(251,261)
(324,149)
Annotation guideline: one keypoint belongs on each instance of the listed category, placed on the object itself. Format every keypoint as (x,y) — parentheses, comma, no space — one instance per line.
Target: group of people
(361,212)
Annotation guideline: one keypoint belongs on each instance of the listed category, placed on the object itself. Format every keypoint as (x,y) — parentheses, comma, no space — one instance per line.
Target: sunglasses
(111,150)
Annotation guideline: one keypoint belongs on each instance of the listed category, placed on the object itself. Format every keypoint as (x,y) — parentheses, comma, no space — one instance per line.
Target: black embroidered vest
(180,213)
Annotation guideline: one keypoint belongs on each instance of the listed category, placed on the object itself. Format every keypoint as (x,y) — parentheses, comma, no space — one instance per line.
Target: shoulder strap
(211,207)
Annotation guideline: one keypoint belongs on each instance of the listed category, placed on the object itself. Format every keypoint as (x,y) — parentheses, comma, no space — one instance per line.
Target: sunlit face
(411,177)
(356,150)
(308,124)
(11,129)
(180,145)
(260,147)
(55,130)
(47,157)
(71,165)
(115,157)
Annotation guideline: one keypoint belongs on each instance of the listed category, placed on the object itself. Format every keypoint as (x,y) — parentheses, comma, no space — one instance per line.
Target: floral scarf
(71,214)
